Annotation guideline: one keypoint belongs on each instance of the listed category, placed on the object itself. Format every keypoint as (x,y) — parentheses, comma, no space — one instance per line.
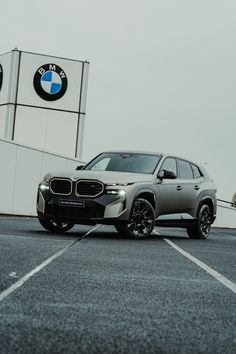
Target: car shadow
(114,235)
(97,234)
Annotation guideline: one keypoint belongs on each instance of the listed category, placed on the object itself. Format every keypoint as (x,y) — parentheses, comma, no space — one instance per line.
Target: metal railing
(232,204)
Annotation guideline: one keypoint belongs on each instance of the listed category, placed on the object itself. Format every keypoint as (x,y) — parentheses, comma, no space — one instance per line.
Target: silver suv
(134,191)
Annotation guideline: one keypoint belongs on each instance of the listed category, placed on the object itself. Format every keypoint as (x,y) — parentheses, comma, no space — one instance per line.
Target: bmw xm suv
(134,191)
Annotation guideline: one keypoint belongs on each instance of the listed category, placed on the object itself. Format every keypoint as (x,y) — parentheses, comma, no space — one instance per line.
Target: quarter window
(185,170)
(196,171)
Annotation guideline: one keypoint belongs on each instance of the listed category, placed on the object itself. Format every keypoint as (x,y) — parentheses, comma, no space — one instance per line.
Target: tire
(141,221)
(55,226)
(203,225)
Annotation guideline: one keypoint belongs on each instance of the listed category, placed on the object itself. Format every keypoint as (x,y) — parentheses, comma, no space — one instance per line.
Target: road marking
(26,277)
(226,282)
(13,275)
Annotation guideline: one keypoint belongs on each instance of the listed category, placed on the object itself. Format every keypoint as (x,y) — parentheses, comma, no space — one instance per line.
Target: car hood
(106,177)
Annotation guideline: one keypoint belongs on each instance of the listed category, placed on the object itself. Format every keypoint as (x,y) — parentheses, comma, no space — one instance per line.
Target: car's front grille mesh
(61,186)
(89,188)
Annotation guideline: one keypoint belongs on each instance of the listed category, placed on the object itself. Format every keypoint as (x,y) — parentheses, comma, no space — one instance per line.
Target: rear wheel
(141,221)
(203,225)
(55,226)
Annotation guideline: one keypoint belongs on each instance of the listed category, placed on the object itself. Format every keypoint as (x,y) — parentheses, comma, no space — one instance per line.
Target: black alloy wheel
(55,226)
(203,225)
(141,221)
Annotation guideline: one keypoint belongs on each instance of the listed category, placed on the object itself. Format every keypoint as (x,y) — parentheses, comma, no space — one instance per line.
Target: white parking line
(26,277)
(226,282)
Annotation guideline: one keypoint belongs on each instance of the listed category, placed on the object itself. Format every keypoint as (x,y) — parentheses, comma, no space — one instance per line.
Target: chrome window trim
(88,180)
(60,179)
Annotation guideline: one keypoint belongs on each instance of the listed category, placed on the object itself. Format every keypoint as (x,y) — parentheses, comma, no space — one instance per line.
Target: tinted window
(185,170)
(101,165)
(196,171)
(169,165)
(124,162)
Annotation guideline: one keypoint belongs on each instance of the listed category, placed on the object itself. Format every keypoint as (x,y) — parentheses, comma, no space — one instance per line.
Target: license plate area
(72,203)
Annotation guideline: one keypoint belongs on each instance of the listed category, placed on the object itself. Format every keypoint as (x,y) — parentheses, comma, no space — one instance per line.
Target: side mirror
(164,174)
(80,167)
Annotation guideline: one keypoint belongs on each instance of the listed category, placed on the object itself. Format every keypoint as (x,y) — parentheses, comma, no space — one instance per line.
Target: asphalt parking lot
(92,291)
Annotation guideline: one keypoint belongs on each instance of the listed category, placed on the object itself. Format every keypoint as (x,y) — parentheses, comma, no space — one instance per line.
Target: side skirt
(176,223)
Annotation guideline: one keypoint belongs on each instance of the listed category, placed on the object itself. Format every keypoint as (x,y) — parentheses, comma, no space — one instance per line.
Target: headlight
(119,184)
(44,185)
(115,192)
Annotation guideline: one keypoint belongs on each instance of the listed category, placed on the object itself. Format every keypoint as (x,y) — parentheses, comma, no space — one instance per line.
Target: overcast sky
(162,73)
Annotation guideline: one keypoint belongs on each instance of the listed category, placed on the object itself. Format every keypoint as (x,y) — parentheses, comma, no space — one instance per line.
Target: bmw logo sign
(50,82)
(1,76)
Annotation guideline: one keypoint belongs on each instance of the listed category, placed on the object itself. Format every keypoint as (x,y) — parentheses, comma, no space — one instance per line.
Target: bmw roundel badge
(50,82)
(1,76)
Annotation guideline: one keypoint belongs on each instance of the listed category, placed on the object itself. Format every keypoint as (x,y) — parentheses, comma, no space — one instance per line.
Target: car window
(101,165)
(185,170)
(125,162)
(196,172)
(169,165)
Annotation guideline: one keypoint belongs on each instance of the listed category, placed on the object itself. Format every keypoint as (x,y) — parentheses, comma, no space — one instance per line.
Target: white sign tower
(43,101)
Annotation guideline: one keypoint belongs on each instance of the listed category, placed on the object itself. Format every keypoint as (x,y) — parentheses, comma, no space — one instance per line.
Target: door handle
(196,187)
(179,188)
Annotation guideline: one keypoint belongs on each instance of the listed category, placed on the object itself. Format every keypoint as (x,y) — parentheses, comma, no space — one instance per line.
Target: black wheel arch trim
(212,205)
(151,196)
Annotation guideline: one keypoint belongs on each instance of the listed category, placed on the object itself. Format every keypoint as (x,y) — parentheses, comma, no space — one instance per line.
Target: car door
(169,191)
(190,187)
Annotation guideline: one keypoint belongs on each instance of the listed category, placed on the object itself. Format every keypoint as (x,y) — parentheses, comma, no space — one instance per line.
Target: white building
(42,112)
(42,99)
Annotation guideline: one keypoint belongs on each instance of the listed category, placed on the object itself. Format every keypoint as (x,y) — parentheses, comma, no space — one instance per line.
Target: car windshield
(124,162)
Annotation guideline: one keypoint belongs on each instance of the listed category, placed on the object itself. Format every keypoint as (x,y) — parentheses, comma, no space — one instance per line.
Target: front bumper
(102,209)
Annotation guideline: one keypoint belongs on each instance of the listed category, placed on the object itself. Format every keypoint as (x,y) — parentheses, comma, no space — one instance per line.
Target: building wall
(21,170)
(226,216)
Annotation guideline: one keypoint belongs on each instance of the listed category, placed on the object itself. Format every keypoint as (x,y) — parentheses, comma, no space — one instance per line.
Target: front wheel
(141,221)
(55,226)
(203,225)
